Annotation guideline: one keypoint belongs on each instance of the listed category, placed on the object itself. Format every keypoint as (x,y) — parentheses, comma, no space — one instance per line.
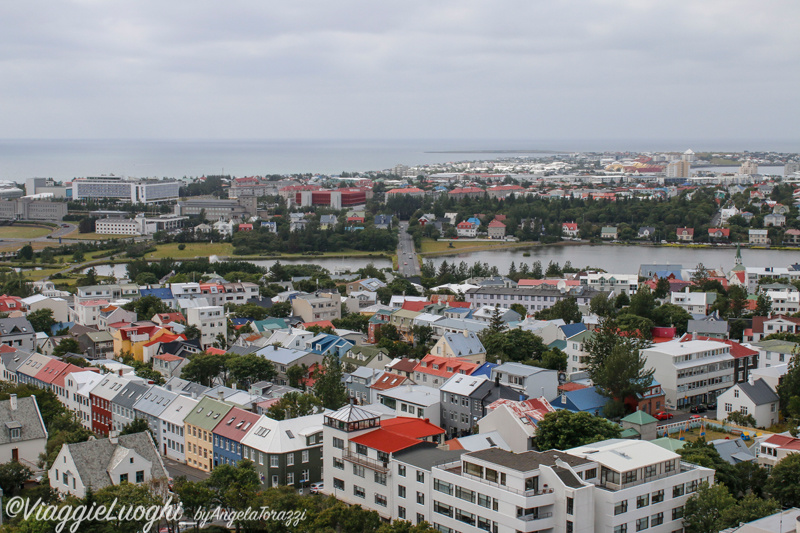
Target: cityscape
(400,268)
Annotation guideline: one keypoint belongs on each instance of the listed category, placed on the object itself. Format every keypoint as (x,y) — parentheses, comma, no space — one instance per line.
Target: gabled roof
(759,392)
(235,424)
(388,380)
(26,417)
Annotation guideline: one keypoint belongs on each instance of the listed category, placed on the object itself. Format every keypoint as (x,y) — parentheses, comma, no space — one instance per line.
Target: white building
(695,303)
(133,191)
(211,321)
(627,283)
(532,381)
(417,401)
(78,385)
(172,427)
(59,306)
(24,436)
(753,274)
(691,372)
(756,399)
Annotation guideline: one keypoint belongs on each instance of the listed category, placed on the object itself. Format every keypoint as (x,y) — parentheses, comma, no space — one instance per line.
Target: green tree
(66,345)
(662,288)
(749,508)
(253,311)
(749,478)
(138,425)
(193,495)
(280,310)
(512,345)
(192,332)
(704,454)
(784,481)
(146,278)
(128,494)
(329,386)
(41,319)
(789,390)
(203,368)
(147,307)
(741,419)
(671,315)
(12,476)
(704,511)
(293,405)
(763,305)
(26,252)
(295,375)
(250,368)
(519,309)
(623,375)
(564,429)
(566,309)
(601,306)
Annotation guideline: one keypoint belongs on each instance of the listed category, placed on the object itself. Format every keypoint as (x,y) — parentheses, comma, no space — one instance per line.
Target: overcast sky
(528,69)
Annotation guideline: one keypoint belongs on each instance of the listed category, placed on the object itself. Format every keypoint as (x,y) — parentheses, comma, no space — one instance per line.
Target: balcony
(363,460)
(534,516)
(455,468)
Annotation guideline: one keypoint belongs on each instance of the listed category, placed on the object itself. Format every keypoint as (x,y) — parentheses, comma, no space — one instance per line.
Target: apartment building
(465,400)
(619,283)
(771,450)
(133,191)
(532,298)
(313,308)
(17,333)
(695,303)
(122,406)
(417,401)
(691,372)
(173,440)
(228,435)
(198,428)
(211,322)
(531,381)
(78,385)
(150,406)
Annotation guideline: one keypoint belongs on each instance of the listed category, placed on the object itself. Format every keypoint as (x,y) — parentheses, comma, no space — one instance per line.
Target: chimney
(221,394)
(497,380)
(194,395)
(13,400)
(120,372)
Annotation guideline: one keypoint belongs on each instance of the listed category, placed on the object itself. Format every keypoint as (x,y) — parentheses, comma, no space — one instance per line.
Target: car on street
(695,417)
(663,415)
(698,409)
(712,406)
(316,488)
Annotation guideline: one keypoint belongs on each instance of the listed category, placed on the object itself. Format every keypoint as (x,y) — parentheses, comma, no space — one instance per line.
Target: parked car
(695,417)
(316,488)
(712,406)
(663,415)
(698,409)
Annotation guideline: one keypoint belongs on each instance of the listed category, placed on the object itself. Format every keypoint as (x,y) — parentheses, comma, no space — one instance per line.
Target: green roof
(639,417)
(607,229)
(667,443)
(207,413)
(629,433)
(777,345)
(558,343)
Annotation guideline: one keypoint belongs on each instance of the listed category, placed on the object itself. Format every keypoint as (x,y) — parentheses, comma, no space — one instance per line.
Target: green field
(197,249)
(94,236)
(23,232)
(430,246)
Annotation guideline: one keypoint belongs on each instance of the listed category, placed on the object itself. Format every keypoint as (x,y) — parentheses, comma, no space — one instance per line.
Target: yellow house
(198,426)
(133,339)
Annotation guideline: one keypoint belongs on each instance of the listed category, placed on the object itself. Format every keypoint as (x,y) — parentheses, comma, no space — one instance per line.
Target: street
(177,469)
(407,261)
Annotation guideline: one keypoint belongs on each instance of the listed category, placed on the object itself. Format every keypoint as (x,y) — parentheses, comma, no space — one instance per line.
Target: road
(176,469)
(407,260)
(682,416)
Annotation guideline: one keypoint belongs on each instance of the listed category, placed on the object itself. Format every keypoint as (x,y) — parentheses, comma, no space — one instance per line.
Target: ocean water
(67,159)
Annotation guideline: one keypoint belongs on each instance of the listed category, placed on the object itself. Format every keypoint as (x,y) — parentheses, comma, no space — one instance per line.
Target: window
(735,393)
(570,527)
(401,491)
(643,523)
(338,484)
(123,477)
(338,463)
(570,505)
(443,486)
(140,476)
(401,513)
(657,497)
(590,474)
(290,478)
(274,461)
(338,443)
(442,508)
(657,519)
(484,501)
(359,492)
(289,459)
(728,408)
(305,456)
(401,470)
(359,470)
(629,477)
(380,479)
(465,494)
(622,528)
(677,491)
(420,476)
(361,449)
(621,507)
(642,501)
(380,499)
(420,498)
(677,513)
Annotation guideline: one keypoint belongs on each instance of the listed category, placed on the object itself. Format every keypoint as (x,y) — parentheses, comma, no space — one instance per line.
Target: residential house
(774,220)
(758,236)
(358,384)
(150,406)
(211,322)
(791,236)
(169,365)
(101,397)
(774,352)
(366,284)
(433,370)
(497,230)
(418,401)
(327,221)
(57,305)
(515,421)
(199,424)
(313,308)
(385,381)
(366,356)
(17,333)
(99,345)
(583,400)
(229,433)
(609,233)
(529,380)
(78,384)
(685,234)
(99,463)
(24,436)
(123,405)
(464,346)
(618,283)
(695,303)
(466,399)
(719,234)
(756,399)
(646,232)
(285,358)
(173,436)
(773,449)
(466,230)
(569,229)
(382,221)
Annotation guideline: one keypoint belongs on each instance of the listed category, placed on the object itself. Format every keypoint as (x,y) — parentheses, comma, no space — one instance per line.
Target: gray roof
(518,369)
(464,345)
(526,461)
(719,327)
(759,392)
(242,350)
(15,326)
(94,458)
(155,400)
(185,387)
(130,394)
(13,360)
(426,455)
(733,450)
(350,413)
(26,417)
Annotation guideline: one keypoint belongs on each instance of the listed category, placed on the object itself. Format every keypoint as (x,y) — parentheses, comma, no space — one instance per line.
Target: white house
(756,399)
(211,322)
(172,426)
(78,386)
(23,436)
(695,303)
(99,463)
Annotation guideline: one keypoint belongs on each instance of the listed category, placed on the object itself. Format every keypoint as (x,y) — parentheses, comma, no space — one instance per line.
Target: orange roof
(790,443)
(387,381)
(570,386)
(737,350)
(398,434)
(215,351)
(415,428)
(168,357)
(444,366)
(171,317)
(167,337)
(415,306)
(321,323)
(5,348)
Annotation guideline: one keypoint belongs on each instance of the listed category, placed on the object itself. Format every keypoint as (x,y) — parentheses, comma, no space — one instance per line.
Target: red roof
(737,350)
(790,443)
(570,386)
(570,225)
(236,424)
(405,365)
(496,224)
(321,323)
(500,217)
(385,441)
(725,232)
(387,381)
(416,428)
(5,348)
(462,305)
(167,337)
(415,306)
(168,357)
(171,317)
(434,365)
(11,303)
(465,225)
(467,190)
(685,231)
(215,351)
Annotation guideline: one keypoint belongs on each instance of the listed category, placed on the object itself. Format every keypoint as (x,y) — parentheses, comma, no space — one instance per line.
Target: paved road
(681,416)
(407,260)
(177,469)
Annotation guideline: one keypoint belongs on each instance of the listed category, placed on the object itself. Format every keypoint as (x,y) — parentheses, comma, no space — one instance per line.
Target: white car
(316,488)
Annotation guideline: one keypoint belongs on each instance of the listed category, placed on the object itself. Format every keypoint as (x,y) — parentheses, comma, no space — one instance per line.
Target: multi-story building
(215,208)
(133,191)
(172,427)
(433,370)
(756,399)
(31,209)
(465,345)
(286,452)
(211,322)
(771,450)
(78,386)
(754,274)
(24,436)
(17,333)
(465,399)
(198,429)
(313,308)
(691,372)
(417,401)
(758,236)
(228,435)
(139,225)
(532,298)
(122,406)
(150,406)
(533,382)
(695,303)
(619,283)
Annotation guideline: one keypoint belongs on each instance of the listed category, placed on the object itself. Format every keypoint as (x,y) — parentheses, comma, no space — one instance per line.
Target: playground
(691,430)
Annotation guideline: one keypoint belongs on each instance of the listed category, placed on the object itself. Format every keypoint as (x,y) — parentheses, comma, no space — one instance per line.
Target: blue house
(484,370)
(228,435)
(586,400)
(325,343)
(568,330)
(164,294)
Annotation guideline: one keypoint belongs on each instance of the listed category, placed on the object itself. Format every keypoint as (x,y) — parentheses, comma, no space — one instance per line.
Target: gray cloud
(508,69)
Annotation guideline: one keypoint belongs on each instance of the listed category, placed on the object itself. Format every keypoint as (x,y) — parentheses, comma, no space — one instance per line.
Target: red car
(663,415)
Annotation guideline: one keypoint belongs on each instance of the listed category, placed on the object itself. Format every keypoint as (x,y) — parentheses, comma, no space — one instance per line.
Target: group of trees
(521,346)
(205,367)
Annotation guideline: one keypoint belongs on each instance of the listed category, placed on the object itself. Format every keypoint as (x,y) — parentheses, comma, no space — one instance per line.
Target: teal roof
(639,417)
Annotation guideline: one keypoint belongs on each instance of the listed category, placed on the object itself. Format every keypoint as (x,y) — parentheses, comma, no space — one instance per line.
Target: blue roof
(573,329)
(484,370)
(240,321)
(666,274)
(474,220)
(586,400)
(161,294)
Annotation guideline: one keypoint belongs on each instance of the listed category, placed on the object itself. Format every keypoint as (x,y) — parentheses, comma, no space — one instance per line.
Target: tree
(704,511)
(741,419)
(203,368)
(784,481)
(622,376)
(250,368)
(147,307)
(138,425)
(519,309)
(193,495)
(280,310)
(662,288)
(66,345)
(701,453)
(513,345)
(12,476)
(749,508)
(146,278)
(329,386)
(41,319)
(566,309)
(26,252)
(749,478)
(601,306)
(128,494)
(192,332)
(671,315)
(763,305)
(564,429)
(293,405)
(422,335)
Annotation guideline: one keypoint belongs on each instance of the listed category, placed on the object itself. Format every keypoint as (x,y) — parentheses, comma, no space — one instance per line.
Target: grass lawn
(198,249)
(430,246)
(94,236)
(39,274)
(23,232)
